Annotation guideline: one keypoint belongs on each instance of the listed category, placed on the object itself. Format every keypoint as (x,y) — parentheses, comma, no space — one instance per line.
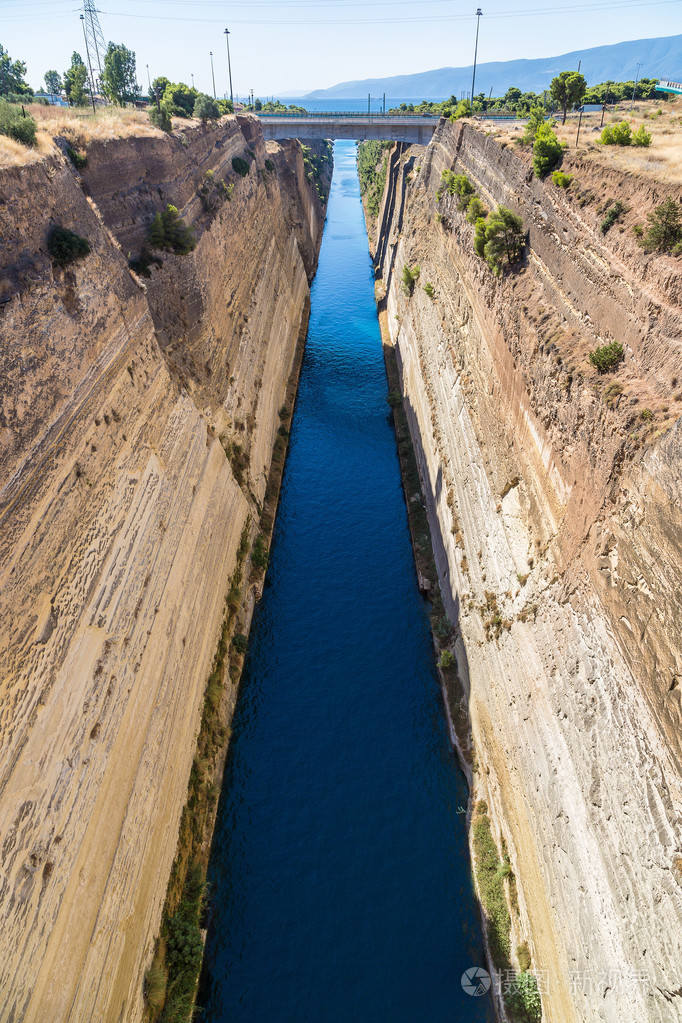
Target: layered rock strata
(120,518)
(554,500)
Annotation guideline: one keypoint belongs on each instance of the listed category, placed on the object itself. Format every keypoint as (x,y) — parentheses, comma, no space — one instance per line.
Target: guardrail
(327,114)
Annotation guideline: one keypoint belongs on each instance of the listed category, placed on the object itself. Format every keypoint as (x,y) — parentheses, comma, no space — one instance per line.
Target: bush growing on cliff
(372,173)
(476,210)
(168,231)
(536,118)
(499,238)
(259,554)
(614,212)
(15,125)
(491,887)
(665,227)
(606,357)
(161,118)
(409,279)
(560,179)
(66,246)
(240,166)
(547,151)
(479,237)
(522,999)
(206,108)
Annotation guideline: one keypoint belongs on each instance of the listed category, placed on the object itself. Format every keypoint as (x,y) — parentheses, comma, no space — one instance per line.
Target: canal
(340,876)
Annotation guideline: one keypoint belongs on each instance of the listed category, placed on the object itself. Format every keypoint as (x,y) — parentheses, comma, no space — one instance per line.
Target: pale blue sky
(282,47)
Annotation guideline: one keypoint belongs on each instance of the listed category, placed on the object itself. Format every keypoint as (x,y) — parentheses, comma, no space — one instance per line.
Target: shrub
(641,137)
(394,398)
(447,661)
(458,184)
(491,887)
(476,210)
(168,231)
(240,642)
(161,118)
(522,998)
(665,226)
(560,179)
(499,237)
(617,134)
(184,948)
(66,246)
(240,166)
(547,151)
(523,954)
(428,288)
(409,279)
(77,159)
(141,265)
(269,166)
(536,118)
(605,357)
(259,554)
(206,108)
(17,126)
(612,215)
(155,987)
(638,230)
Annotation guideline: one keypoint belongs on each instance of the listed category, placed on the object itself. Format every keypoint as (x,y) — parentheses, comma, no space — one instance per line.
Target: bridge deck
(382,127)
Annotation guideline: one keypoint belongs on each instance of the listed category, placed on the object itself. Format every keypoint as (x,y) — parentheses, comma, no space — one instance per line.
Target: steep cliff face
(554,500)
(120,518)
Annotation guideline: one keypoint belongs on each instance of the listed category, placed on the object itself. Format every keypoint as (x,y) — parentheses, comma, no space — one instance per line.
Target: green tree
(75,80)
(12,75)
(258,105)
(159,85)
(511,97)
(53,83)
(118,78)
(206,108)
(479,237)
(181,99)
(547,151)
(665,226)
(160,117)
(567,89)
(536,117)
(504,239)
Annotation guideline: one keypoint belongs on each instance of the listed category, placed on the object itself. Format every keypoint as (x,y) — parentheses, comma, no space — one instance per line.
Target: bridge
(411,128)
(665,85)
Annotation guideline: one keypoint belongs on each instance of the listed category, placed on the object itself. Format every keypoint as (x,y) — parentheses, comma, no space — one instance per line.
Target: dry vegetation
(662,161)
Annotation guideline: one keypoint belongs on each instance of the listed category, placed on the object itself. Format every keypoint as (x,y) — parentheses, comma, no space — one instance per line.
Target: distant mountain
(659,58)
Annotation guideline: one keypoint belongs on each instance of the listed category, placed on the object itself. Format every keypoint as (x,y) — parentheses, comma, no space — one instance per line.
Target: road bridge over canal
(411,128)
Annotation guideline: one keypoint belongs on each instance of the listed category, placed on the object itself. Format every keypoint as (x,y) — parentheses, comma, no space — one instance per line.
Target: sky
(283,48)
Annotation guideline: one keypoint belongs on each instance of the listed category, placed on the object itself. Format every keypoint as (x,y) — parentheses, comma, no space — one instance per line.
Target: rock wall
(554,500)
(120,519)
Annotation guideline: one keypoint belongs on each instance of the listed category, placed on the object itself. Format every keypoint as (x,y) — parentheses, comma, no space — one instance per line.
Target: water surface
(340,875)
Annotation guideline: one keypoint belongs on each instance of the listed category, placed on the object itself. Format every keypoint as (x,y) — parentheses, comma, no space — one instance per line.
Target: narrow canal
(340,875)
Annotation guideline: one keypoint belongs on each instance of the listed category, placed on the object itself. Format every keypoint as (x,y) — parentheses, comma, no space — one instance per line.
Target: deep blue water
(340,875)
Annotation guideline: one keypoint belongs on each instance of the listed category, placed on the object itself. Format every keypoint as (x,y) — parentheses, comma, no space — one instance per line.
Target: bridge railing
(357,114)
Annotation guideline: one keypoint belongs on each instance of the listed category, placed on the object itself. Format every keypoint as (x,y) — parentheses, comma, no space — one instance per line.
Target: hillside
(659,57)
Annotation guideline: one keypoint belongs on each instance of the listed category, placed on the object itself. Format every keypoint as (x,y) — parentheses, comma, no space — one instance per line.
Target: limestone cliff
(554,500)
(120,518)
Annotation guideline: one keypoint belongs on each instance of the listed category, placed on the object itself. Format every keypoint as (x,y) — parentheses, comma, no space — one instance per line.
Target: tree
(160,117)
(536,117)
(500,236)
(511,97)
(206,108)
(12,75)
(258,105)
(53,83)
(159,86)
(181,99)
(665,226)
(547,151)
(118,78)
(567,89)
(75,81)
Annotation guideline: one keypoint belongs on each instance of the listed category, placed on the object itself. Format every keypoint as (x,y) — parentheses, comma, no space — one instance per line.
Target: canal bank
(340,877)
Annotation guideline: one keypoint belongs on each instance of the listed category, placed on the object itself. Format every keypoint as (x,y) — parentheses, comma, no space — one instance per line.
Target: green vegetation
(447,661)
(213,192)
(606,357)
(522,999)
(523,955)
(314,164)
(456,184)
(372,166)
(66,246)
(409,279)
(12,80)
(79,160)
(168,231)
(237,457)
(547,151)
(664,232)
(179,98)
(17,126)
(621,134)
(53,83)
(240,642)
(614,212)
(536,118)
(161,118)
(476,210)
(259,554)
(118,78)
(490,883)
(75,81)
(155,987)
(269,166)
(142,264)
(567,89)
(561,180)
(641,137)
(206,108)
(276,107)
(394,399)
(499,238)
(429,289)
(240,165)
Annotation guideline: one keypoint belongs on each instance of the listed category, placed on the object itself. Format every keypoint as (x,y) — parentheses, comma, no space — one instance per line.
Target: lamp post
(635,88)
(479,13)
(229,66)
(192,81)
(212,72)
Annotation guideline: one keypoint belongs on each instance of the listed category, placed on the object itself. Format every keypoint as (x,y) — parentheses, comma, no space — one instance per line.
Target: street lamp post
(229,66)
(192,81)
(635,88)
(212,72)
(479,13)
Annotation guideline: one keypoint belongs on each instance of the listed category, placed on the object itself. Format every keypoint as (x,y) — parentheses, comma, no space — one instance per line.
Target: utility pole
(212,72)
(229,66)
(580,121)
(149,80)
(87,54)
(384,102)
(479,13)
(192,81)
(605,104)
(368,102)
(579,63)
(635,88)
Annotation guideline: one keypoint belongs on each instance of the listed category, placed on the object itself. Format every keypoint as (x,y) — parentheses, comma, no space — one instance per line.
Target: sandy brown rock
(120,519)
(555,512)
